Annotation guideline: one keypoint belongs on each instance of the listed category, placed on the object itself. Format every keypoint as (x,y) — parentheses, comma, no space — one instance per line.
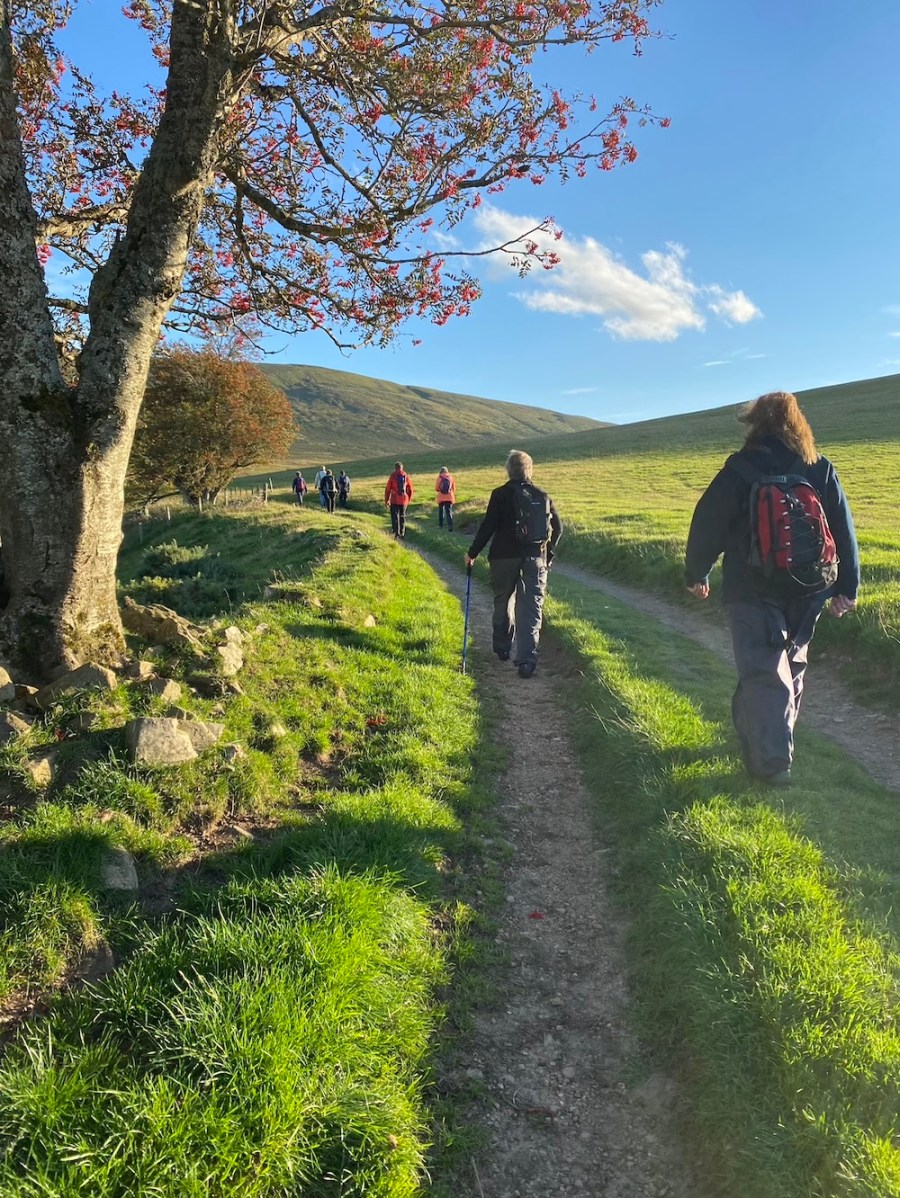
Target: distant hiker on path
(343,486)
(328,490)
(317,483)
(299,487)
(777,512)
(445,489)
(525,528)
(397,494)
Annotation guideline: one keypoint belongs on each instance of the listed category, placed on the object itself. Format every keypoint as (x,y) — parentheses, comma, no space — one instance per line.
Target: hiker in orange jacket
(445,489)
(397,494)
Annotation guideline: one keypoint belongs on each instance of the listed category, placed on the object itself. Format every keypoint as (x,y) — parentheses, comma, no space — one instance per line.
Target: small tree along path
(556,1058)
(870,737)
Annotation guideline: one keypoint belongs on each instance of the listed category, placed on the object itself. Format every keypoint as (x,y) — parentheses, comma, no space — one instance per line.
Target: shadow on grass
(172,562)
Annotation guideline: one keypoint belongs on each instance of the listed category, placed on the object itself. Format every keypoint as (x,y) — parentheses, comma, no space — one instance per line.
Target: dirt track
(557,1061)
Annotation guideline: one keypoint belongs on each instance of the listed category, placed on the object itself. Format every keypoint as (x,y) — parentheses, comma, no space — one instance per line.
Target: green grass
(344,415)
(765,926)
(626,496)
(765,938)
(273,1030)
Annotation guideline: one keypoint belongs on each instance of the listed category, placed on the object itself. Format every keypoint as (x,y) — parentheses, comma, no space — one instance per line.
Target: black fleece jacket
(721,524)
(500,523)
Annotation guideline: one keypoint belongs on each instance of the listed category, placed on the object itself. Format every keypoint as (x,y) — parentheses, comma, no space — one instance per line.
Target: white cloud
(580,391)
(894,334)
(719,363)
(655,304)
(733,305)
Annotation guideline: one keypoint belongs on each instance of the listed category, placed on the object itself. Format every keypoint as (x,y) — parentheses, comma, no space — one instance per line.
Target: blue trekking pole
(466,622)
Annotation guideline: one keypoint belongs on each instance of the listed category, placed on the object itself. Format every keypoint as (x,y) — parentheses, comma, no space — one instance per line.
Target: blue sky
(752,246)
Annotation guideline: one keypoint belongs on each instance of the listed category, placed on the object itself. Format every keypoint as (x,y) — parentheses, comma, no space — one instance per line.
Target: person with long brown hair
(772,620)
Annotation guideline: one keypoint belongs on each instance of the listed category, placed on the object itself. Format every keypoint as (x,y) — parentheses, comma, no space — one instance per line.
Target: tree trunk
(61,536)
(64,451)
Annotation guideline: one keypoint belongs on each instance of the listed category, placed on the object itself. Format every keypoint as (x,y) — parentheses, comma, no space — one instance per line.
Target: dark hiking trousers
(445,509)
(771,642)
(398,519)
(519,585)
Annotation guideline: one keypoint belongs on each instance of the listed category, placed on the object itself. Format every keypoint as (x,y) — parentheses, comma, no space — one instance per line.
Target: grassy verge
(764,942)
(270,1026)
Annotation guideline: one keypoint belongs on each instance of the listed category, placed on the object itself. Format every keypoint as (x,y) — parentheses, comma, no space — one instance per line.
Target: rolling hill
(344,415)
(626,494)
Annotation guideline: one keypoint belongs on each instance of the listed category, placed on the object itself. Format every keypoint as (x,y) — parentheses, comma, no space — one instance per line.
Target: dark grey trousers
(771,642)
(519,585)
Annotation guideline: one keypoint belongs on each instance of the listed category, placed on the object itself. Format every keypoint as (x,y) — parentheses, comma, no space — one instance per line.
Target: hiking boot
(782,778)
(503,654)
(527,668)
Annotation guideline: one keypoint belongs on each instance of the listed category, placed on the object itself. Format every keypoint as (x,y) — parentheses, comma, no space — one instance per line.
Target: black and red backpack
(792,550)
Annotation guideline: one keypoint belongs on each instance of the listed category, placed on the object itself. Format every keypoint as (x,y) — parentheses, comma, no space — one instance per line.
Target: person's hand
(470,561)
(700,590)
(840,605)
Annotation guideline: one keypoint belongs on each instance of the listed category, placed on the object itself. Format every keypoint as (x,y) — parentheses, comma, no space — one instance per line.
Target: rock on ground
(119,870)
(85,678)
(12,726)
(158,741)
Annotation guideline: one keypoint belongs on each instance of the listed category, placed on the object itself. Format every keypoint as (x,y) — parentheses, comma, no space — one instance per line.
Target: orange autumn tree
(203,417)
(288,170)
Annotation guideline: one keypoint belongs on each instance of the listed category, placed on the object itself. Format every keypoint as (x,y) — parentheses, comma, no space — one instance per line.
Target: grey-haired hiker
(781,563)
(524,528)
(317,483)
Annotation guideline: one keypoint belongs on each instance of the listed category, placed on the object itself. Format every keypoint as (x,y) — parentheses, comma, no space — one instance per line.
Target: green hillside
(626,494)
(343,415)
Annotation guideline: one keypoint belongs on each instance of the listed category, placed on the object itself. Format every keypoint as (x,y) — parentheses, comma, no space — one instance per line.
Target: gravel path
(872,738)
(556,1058)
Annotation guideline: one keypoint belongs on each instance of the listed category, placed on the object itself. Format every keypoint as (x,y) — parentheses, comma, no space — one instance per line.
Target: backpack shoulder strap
(747,471)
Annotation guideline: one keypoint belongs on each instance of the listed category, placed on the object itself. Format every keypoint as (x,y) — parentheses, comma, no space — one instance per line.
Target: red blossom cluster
(341,148)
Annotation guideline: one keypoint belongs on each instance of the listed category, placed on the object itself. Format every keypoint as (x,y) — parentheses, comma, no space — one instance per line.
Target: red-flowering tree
(203,417)
(285,176)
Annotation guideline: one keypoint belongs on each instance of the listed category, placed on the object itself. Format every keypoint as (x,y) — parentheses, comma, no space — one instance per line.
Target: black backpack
(446,484)
(532,511)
